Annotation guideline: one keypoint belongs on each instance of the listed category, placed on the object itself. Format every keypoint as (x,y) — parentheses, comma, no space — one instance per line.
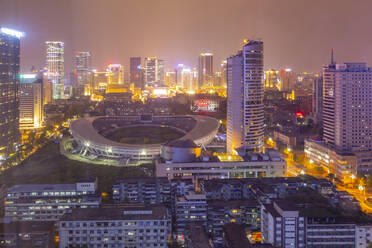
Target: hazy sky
(296,33)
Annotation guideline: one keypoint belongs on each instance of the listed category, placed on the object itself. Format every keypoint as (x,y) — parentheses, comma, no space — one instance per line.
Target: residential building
(9,86)
(128,226)
(363,236)
(205,70)
(245,108)
(31,104)
(287,80)
(148,190)
(48,202)
(347,112)
(27,234)
(55,67)
(190,208)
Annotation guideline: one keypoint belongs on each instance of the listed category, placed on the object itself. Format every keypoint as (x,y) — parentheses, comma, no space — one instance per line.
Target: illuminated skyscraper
(205,69)
(136,73)
(272,81)
(154,70)
(9,83)
(317,108)
(83,68)
(170,78)
(224,72)
(245,109)
(347,106)
(55,67)
(31,101)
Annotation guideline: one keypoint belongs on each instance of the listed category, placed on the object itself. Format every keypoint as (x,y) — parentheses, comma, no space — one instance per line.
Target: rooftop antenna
(332,59)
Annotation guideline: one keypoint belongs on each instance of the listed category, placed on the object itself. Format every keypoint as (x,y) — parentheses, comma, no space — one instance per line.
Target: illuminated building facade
(154,70)
(272,81)
(116,74)
(205,70)
(55,67)
(245,110)
(83,67)
(99,82)
(9,83)
(347,112)
(170,78)
(136,74)
(224,72)
(287,80)
(31,103)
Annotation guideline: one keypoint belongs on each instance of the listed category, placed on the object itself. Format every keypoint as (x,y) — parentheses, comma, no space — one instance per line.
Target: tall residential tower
(245,109)
(55,67)
(205,70)
(83,69)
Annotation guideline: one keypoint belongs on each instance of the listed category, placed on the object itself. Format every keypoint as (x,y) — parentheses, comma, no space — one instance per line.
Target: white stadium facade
(89,135)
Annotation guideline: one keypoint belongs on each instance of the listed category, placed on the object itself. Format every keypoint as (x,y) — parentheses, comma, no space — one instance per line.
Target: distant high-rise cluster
(55,67)
(9,83)
(245,109)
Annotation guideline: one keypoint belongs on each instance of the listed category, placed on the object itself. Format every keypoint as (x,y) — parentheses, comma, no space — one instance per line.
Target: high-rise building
(347,111)
(136,75)
(245,110)
(178,72)
(170,78)
(47,89)
(287,80)
(224,72)
(9,83)
(83,69)
(116,74)
(187,79)
(55,67)
(154,70)
(317,108)
(31,111)
(205,70)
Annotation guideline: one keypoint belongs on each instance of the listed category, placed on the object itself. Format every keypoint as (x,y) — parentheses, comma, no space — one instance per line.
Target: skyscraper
(31,110)
(55,67)
(347,106)
(9,83)
(136,77)
(82,68)
(224,72)
(317,108)
(116,74)
(287,80)
(205,69)
(154,70)
(245,110)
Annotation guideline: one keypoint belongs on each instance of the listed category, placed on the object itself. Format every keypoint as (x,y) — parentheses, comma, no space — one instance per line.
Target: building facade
(31,102)
(55,67)
(245,109)
(154,70)
(83,69)
(146,190)
(205,70)
(130,226)
(347,112)
(317,108)
(9,86)
(48,202)
(136,73)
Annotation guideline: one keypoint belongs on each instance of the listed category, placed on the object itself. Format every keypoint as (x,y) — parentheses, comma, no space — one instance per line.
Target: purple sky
(296,33)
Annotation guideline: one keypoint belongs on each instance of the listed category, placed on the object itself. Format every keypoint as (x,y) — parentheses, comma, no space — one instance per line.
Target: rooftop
(129,212)
(41,187)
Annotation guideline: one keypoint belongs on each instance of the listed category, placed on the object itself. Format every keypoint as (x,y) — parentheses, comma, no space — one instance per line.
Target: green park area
(48,166)
(145,135)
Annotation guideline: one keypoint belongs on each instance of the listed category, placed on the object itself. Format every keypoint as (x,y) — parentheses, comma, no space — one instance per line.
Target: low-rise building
(196,237)
(148,190)
(48,202)
(224,166)
(130,226)
(363,236)
(27,234)
(190,208)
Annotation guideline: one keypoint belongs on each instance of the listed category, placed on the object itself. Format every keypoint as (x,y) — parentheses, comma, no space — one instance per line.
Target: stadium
(137,138)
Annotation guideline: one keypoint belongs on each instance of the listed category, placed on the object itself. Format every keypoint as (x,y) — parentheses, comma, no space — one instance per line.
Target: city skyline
(210,30)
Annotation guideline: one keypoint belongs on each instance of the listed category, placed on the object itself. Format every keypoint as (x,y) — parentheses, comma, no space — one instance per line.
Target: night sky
(297,33)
